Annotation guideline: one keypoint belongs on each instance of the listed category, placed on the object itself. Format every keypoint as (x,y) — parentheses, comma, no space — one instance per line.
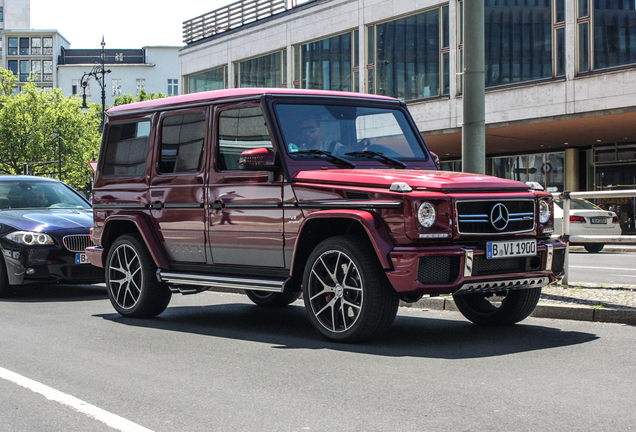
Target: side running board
(195,283)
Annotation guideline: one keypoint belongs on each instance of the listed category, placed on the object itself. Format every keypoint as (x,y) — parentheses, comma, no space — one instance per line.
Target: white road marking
(602,268)
(111,420)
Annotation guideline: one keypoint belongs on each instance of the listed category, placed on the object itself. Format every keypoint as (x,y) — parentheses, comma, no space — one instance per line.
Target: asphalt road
(215,362)
(606,267)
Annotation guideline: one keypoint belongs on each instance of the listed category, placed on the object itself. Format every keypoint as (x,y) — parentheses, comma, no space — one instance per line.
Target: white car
(586,219)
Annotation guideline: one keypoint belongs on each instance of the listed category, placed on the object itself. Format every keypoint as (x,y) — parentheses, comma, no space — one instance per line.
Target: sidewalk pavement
(609,303)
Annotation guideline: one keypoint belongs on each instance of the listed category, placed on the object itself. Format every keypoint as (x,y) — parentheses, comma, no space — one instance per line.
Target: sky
(123,23)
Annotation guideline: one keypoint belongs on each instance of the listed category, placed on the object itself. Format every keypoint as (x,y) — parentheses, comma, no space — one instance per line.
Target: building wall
(16,14)
(161,65)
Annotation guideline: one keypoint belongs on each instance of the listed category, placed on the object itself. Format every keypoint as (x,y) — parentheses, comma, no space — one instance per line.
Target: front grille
(438,269)
(474,217)
(484,267)
(78,242)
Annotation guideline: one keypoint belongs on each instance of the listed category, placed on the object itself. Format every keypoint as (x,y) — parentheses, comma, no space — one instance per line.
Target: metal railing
(231,16)
(567,238)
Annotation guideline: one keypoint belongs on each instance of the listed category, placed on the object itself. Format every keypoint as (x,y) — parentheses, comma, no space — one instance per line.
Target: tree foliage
(32,125)
(142,96)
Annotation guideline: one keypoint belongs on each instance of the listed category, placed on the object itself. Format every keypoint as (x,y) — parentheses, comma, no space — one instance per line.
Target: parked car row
(44,231)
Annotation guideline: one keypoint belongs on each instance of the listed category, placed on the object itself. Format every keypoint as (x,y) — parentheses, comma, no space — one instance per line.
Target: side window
(182,143)
(126,149)
(239,130)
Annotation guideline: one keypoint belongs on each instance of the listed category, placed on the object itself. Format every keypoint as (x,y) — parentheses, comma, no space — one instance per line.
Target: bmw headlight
(544,211)
(30,238)
(426,214)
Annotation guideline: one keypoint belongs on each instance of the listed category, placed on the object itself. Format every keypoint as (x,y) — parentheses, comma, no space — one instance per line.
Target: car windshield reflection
(35,194)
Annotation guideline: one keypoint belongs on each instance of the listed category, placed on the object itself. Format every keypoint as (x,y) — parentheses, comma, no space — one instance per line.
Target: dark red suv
(333,195)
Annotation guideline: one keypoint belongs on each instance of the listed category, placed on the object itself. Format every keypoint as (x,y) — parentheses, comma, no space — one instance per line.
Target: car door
(245,207)
(177,187)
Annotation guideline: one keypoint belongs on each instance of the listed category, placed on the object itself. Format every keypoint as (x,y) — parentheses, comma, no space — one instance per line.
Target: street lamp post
(95,73)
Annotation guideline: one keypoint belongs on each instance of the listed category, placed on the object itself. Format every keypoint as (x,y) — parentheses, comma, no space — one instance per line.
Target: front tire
(593,247)
(347,296)
(131,281)
(485,309)
(6,290)
(271,299)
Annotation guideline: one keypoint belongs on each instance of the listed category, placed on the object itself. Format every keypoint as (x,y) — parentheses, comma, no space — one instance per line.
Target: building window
(25,69)
(24,46)
(116,86)
(267,71)
(47,69)
(13,46)
(36,46)
(213,79)
(48,46)
(605,34)
(36,70)
(76,88)
(1,14)
(141,84)
(407,58)
(327,64)
(13,67)
(173,87)
(545,169)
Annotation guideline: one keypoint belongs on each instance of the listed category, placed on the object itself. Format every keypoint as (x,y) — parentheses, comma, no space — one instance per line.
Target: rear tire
(347,295)
(594,247)
(271,299)
(131,280)
(6,290)
(516,305)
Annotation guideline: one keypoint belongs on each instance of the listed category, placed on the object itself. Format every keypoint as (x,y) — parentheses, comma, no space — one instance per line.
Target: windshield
(346,131)
(29,194)
(578,204)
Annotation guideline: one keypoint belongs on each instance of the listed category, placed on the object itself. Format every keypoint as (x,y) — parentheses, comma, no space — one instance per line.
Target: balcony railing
(229,17)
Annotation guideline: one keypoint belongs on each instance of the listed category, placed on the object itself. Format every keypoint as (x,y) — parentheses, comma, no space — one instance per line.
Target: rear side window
(126,149)
(239,130)
(182,143)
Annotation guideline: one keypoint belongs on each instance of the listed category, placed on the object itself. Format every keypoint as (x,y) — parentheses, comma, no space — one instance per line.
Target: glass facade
(406,56)
(213,79)
(518,41)
(328,64)
(265,71)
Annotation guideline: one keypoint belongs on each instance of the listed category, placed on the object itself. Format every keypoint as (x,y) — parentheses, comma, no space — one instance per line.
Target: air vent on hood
(352,195)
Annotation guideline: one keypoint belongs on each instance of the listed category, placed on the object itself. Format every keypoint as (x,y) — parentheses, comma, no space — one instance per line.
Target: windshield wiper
(372,154)
(326,153)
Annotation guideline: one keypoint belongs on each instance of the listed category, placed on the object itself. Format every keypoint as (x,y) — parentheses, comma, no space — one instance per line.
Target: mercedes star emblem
(499,217)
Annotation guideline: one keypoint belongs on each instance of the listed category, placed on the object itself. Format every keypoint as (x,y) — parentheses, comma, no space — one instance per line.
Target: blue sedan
(44,229)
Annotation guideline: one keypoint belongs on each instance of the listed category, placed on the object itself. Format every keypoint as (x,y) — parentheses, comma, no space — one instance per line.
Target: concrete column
(474,92)
(571,171)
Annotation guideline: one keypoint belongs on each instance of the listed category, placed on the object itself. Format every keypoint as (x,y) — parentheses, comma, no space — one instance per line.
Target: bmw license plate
(599,220)
(81,258)
(512,248)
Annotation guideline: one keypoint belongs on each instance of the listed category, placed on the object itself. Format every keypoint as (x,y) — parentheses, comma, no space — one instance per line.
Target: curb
(575,313)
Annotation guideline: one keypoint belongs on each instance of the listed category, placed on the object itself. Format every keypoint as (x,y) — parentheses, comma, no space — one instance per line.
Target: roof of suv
(218,95)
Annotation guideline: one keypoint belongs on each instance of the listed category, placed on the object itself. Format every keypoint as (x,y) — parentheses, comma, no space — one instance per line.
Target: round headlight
(544,211)
(426,214)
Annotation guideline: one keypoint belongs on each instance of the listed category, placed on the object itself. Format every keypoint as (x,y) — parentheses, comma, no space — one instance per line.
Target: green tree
(33,123)
(142,96)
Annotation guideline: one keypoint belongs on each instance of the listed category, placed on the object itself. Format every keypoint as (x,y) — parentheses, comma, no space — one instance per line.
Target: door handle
(157,205)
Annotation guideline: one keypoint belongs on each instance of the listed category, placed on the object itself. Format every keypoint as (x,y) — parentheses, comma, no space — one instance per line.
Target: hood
(439,181)
(46,220)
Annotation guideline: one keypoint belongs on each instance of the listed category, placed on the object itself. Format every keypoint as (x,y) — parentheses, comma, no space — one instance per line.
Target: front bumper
(461,269)
(37,265)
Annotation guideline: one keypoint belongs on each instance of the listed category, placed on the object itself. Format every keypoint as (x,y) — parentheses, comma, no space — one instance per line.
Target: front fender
(371,223)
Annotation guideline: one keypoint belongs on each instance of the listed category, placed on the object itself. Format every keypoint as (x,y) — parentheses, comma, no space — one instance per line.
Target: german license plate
(512,248)
(81,258)
(599,220)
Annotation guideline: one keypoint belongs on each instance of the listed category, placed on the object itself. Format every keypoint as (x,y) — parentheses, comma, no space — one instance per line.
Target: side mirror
(258,159)
(435,159)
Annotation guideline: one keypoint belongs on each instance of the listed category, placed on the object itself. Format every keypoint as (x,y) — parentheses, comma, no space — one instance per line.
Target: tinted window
(182,143)
(126,149)
(239,130)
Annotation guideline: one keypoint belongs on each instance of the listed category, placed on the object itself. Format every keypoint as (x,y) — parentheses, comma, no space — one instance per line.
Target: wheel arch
(321,225)
(121,224)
